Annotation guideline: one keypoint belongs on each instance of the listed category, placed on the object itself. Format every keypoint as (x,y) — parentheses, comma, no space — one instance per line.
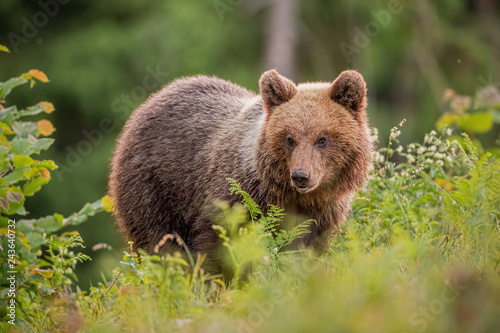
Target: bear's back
(161,152)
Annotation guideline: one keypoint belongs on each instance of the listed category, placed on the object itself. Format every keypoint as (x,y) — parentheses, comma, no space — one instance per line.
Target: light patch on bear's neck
(248,145)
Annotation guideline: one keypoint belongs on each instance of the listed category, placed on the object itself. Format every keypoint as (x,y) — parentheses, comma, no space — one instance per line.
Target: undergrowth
(420,252)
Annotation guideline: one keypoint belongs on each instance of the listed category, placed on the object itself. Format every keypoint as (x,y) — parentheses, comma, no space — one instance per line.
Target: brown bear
(306,148)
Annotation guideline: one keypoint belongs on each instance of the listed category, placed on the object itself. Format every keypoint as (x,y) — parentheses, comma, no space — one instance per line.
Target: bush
(37,254)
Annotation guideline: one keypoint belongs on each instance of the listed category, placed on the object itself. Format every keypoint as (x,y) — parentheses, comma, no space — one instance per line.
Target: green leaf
(14,177)
(479,122)
(8,115)
(3,151)
(88,210)
(34,186)
(49,223)
(6,87)
(21,147)
(31,111)
(45,164)
(22,161)
(42,144)
(24,128)
(13,206)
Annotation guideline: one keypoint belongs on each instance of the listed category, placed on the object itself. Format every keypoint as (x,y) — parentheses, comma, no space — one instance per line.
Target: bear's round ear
(275,89)
(349,90)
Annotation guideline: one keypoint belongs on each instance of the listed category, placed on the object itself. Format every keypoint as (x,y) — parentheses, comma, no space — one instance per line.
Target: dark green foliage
(38,253)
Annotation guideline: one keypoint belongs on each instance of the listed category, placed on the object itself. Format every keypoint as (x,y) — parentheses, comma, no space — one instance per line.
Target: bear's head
(315,135)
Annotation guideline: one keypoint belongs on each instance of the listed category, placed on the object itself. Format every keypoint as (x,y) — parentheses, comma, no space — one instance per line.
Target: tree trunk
(281,37)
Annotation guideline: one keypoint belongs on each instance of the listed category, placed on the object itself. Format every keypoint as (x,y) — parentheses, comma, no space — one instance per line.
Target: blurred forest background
(105,57)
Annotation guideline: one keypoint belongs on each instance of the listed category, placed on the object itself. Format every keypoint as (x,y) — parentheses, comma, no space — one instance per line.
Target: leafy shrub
(473,114)
(37,253)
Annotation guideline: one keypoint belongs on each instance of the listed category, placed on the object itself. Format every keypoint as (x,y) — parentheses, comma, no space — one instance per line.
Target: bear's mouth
(304,189)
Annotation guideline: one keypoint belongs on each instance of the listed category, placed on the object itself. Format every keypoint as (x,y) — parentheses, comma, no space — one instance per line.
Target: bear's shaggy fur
(306,148)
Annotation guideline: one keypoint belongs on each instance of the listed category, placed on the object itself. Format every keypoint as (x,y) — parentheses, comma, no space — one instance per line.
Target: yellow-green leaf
(448,119)
(24,241)
(107,203)
(4,48)
(480,122)
(22,161)
(46,273)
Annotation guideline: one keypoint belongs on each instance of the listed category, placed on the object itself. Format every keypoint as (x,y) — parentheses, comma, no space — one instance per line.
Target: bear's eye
(290,142)
(321,142)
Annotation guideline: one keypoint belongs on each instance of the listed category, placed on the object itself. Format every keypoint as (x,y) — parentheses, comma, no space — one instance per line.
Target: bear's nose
(300,177)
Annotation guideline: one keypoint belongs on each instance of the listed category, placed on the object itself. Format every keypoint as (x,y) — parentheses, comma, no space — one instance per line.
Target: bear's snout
(301,180)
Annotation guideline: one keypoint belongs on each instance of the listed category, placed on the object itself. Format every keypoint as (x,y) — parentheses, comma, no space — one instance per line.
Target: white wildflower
(433,133)
(440,163)
(449,131)
(429,160)
(395,132)
(399,149)
(381,158)
(438,155)
(432,148)
(410,159)
(374,134)
(421,150)
(449,158)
